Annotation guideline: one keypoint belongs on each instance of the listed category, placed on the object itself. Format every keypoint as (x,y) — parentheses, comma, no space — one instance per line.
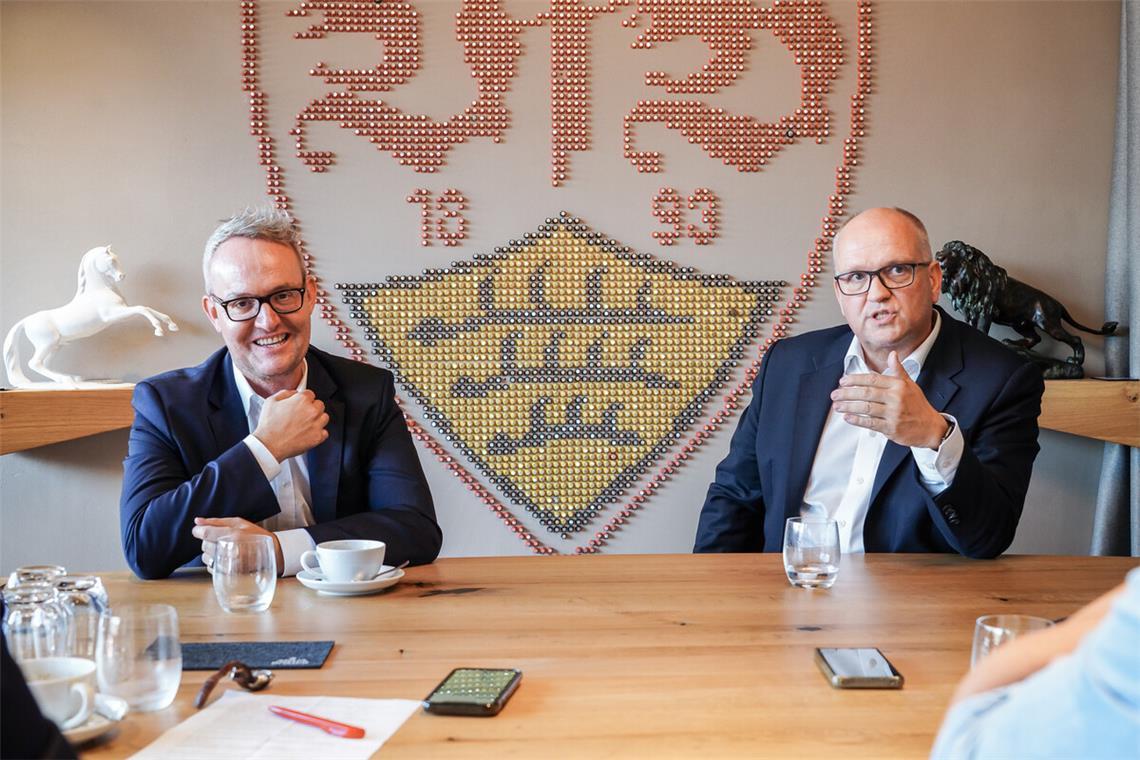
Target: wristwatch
(949,430)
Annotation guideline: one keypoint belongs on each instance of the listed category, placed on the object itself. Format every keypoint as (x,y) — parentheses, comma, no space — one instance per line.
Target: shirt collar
(855,363)
(247,393)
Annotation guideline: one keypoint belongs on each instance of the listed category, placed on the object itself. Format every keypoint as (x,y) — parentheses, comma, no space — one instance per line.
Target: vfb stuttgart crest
(565,364)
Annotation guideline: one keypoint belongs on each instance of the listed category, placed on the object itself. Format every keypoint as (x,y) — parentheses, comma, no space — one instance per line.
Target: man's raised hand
(291,423)
(891,404)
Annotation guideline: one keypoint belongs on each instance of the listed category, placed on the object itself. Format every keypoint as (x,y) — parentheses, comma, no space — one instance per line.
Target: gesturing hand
(891,404)
(291,423)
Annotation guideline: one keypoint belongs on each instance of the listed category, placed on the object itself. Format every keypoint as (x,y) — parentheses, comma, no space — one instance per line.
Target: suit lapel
(228,422)
(937,382)
(812,406)
(324,460)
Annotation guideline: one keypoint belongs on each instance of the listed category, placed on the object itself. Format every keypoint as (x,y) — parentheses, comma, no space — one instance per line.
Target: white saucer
(98,724)
(388,576)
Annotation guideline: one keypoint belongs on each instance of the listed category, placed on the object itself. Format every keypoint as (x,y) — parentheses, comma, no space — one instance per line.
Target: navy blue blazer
(992,392)
(186,459)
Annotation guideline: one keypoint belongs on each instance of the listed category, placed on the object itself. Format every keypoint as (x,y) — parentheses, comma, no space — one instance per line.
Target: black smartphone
(473,691)
(861,668)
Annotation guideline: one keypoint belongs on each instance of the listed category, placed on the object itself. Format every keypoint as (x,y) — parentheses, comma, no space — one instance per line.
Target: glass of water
(811,552)
(993,631)
(245,572)
(138,656)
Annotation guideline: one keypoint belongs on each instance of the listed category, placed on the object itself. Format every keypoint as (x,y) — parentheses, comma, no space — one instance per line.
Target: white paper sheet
(239,725)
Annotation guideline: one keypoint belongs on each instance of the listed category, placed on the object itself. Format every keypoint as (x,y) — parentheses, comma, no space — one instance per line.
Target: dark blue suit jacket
(993,393)
(186,459)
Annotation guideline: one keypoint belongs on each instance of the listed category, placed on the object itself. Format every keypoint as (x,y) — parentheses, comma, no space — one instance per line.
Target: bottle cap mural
(561,368)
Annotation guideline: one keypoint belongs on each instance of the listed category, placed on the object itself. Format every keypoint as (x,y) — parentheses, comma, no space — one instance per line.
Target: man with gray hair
(269,435)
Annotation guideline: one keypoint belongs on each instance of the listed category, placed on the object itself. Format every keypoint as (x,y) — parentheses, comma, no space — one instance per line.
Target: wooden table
(640,656)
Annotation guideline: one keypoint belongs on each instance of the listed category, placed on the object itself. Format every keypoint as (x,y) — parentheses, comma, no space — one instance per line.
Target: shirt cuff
(268,463)
(294,543)
(937,467)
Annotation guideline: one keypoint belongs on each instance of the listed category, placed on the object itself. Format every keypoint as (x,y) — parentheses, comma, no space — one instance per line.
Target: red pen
(342,730)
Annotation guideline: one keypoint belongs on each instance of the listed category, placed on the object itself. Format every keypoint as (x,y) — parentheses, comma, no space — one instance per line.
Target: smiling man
(268,435)
(913,431)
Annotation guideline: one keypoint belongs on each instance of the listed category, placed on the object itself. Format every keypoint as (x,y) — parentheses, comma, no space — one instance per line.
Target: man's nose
(267,318)
(878,291)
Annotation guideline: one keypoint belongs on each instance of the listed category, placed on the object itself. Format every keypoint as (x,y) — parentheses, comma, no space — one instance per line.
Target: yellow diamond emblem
(563,365)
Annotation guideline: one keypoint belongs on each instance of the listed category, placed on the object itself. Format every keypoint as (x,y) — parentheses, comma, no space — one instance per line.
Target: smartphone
(473,691)
(863,668)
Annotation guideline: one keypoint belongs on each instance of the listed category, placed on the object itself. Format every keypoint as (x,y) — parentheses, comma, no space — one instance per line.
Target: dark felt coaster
(287,655)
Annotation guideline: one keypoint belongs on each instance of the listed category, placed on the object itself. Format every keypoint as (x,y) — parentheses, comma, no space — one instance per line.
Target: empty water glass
(811,552)
(86,599)
(245,572)
(993,631)
(36,624)
(35,574)
(138,656)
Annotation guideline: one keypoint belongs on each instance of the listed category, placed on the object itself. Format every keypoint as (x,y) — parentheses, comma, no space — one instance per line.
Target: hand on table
(291,423)
(210,529)
(891,404)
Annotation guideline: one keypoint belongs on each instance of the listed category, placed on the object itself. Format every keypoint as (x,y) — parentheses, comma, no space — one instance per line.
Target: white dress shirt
(289,480)
(843,471)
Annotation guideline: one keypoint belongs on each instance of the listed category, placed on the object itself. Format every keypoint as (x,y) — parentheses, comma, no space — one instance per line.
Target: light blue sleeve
(1085,705)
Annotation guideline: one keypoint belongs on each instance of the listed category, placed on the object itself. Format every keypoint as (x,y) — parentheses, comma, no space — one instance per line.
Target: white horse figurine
(96,305)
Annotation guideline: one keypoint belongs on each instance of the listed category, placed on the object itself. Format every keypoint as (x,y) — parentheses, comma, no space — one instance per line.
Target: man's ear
(935,280)
(213,312)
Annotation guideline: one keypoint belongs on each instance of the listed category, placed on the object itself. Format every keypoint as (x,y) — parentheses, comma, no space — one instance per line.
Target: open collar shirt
(289,480)
(847,458)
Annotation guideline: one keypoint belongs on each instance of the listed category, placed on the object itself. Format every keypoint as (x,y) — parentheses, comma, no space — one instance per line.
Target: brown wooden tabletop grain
(636,655)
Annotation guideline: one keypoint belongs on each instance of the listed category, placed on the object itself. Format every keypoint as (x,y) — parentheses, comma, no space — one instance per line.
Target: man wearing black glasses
(268,435)
(910,429)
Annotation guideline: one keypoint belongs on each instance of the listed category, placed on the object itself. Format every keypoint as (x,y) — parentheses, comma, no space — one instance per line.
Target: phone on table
(473,691)
(858,668)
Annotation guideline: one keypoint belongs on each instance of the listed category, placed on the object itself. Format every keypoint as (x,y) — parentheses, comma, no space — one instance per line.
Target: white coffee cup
(64,688)
(346,560)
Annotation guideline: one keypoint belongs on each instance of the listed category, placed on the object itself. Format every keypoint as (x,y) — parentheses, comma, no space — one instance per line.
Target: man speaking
(268,435)
(913,431)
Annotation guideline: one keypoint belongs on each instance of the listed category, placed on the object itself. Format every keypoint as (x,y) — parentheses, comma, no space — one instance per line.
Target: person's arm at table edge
(992,478)
(160,499)
(1028,654)
(732,518)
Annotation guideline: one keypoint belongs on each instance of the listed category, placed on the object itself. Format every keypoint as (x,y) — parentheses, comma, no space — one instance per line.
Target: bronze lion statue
(985,293)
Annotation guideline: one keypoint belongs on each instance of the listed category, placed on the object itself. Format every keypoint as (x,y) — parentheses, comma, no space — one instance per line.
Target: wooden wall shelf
(1108,410)
(30,417)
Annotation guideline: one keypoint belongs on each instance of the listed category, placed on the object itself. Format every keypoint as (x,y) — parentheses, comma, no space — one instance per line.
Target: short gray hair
(255,223)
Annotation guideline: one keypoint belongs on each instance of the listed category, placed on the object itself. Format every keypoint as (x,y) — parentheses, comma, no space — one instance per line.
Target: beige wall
(125,123)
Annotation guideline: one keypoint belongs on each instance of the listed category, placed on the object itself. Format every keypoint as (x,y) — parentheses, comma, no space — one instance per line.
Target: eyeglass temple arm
(229,668)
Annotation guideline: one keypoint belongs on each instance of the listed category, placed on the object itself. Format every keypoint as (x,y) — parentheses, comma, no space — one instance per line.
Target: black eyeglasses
(893,277)
(245,308)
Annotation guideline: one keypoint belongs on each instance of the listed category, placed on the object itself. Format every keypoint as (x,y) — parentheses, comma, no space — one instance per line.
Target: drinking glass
(86,599)
(36,624)
(993,631)
(137,655)
(245,572)
(811,552)
(35,574)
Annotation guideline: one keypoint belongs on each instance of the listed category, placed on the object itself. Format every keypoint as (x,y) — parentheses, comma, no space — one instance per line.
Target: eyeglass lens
(892,276)
(282,302)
